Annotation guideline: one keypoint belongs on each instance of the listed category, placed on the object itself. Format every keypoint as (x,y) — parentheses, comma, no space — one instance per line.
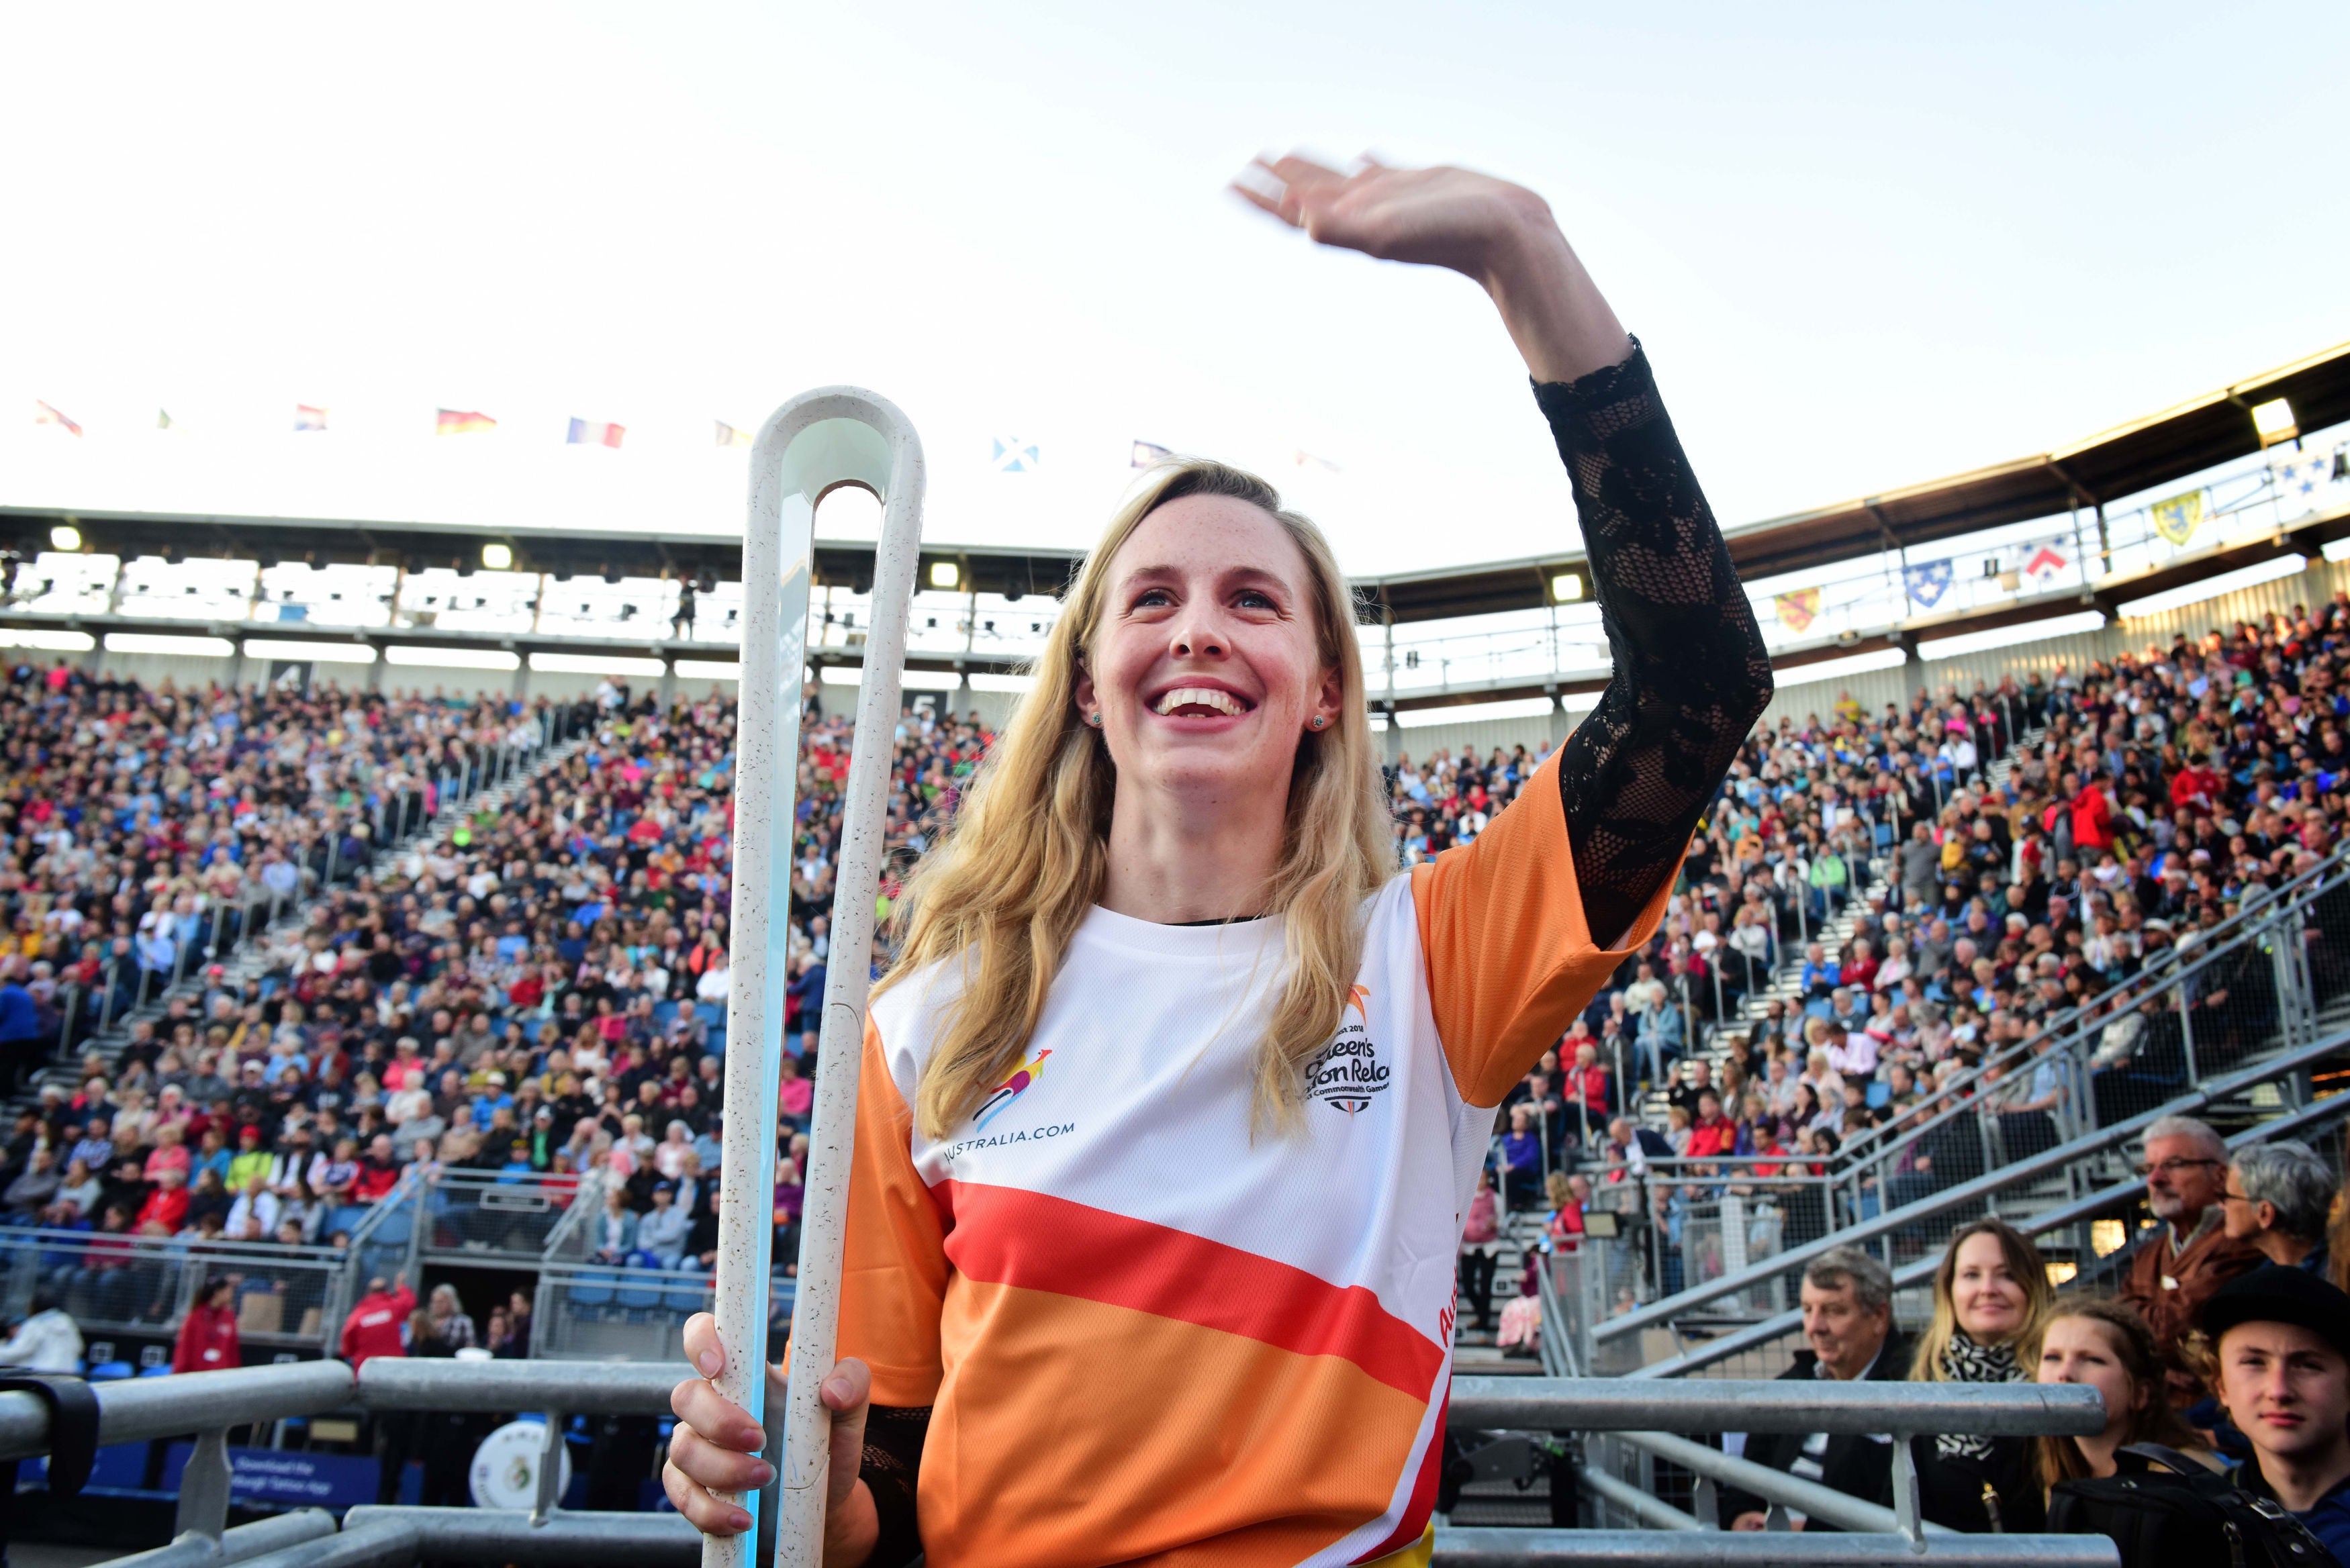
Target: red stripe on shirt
(1037,1241)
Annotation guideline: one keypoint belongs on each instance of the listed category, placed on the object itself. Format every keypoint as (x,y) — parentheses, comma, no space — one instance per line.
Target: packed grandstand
(340,1021)
(1882,919)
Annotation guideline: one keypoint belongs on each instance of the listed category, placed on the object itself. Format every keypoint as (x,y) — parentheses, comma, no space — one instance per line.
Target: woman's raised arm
(1691,674)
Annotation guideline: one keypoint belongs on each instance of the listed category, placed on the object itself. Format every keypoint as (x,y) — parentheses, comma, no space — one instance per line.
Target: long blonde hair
(2030,1272)
(1005,892)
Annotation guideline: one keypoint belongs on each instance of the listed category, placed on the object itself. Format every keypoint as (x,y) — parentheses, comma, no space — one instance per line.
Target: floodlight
(1564,586)
(2337,549)
(2274,421)
(496,556)
(945,574)
(64,536)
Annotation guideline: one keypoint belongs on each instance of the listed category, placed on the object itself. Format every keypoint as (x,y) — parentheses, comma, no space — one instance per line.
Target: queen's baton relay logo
(1013,1088)
(1348,1075)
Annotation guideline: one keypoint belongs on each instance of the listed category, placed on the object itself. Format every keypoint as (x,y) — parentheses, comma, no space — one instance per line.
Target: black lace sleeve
(892,1471)
(1691,674)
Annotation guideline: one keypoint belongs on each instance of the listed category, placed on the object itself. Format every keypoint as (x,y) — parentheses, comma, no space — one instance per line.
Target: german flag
(456,422)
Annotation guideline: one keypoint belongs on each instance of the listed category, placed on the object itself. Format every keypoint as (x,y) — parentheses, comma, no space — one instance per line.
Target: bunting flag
(1306,457)
(729,436)
(2302,479)
(1798,609)
(2177,518)
(457,422)
(2045,560)
(588,433)
(43,415)
(163,420)
(1927,582)
(1013,455)
(1148,454)
(306,417)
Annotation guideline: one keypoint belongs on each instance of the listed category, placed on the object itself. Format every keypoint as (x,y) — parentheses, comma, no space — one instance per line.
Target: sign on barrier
(276,1478)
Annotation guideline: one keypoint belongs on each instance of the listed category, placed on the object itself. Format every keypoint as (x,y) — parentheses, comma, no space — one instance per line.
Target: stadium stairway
(276,944)
(2280,1073)
(1786,982)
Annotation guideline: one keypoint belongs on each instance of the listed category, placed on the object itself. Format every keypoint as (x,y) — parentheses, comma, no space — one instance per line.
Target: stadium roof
(2183,440)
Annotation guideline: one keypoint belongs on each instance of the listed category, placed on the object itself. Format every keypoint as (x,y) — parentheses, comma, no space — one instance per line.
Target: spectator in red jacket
(1712,1135)
(166,1209)
(208,1341)
(373,1328)
(2092,819)
(2197,788)
(379,1172)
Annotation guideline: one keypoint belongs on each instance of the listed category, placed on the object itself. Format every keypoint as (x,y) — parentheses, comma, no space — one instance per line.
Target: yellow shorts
(1418,1554)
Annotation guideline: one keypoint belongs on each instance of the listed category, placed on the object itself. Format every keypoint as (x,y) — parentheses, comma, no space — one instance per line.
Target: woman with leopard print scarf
(1989,1297)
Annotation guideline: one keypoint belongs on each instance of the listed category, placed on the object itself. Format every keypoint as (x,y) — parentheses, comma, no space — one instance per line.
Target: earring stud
(1318,721)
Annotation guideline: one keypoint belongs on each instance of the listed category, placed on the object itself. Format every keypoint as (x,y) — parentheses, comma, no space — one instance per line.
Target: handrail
(813,444)
(1823,1503)
(1776,1405)
(136,1409)
(2178,965)
(1760,1549)
(2332,1107)
(2029,1169)
(574,1387)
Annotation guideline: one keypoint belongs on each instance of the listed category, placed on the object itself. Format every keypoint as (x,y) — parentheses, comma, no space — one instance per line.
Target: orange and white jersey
(1147,1337)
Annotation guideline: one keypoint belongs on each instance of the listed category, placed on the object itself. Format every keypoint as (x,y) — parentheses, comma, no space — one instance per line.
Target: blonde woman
(1990,1296)
(1178,1093)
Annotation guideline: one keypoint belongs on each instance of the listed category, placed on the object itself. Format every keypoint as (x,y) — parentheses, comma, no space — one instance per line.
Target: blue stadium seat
(398,1226)
(639,1288)
(664,1015)
(160,1370)
(687,1295)
(591,1290)
(109,1371)
(710,1012)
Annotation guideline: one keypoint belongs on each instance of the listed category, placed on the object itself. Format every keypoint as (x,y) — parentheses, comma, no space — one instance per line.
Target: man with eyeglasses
(2190,1254)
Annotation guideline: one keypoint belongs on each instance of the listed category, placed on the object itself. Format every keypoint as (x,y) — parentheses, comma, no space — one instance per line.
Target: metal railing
(208,1404)
(2256,997)
(2075,1217)
(484,1216)
(115,1284)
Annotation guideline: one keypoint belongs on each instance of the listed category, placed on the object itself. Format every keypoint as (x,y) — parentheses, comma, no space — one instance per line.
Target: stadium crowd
(2163,793)
(538,989)
(542,990)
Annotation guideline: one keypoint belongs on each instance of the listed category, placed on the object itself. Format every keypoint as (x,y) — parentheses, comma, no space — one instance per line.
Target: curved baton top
(818,440)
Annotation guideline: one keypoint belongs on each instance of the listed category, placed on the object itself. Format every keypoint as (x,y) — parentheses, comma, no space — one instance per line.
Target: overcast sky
(1865,246)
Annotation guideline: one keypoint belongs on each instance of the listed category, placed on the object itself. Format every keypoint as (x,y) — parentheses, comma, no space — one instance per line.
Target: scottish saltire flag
(1013,455)
(2045,560)
(1927,582)
(1797,609)
(729,436)
(2177,518)
(306,417)
(588,433)
(43,415)
(460,422)
(2302,481)
(1148,454)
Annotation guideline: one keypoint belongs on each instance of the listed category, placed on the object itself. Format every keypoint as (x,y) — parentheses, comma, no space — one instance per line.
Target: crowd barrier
(2249,1008)
(206,1405)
